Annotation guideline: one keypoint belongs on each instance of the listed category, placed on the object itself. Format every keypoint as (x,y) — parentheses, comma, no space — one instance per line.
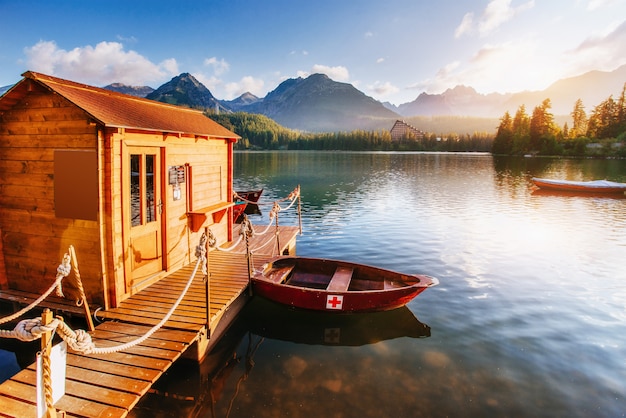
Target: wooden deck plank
(103,379)
(133,360)
(138,330)
(15,390)
(116,369)
(16,408)
(150,342)
(104,395)
(109,385)
(19,397)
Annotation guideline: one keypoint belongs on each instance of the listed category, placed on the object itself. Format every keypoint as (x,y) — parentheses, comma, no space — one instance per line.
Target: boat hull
(250,196)
(598,186)
(371,290)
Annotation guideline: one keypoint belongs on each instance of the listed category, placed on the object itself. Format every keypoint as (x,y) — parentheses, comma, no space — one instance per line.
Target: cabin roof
(118,110)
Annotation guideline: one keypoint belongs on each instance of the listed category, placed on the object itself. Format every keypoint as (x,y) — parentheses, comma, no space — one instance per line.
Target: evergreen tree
(521,130)
(603,122)
(542,128)
(503,142)
(579,117)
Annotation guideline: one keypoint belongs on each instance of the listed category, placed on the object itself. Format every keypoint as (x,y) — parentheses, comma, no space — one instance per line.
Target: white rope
(268,242)
(290,205)
(272,219)
(231,248)
(63,271)
(243,199)
(80,340)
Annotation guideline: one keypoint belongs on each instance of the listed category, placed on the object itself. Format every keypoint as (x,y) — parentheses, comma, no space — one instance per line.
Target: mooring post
(207,283)
(299,211)
(46,346)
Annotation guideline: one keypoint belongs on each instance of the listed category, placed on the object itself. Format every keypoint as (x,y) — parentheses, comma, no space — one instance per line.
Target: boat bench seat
(340,282)
(279,275)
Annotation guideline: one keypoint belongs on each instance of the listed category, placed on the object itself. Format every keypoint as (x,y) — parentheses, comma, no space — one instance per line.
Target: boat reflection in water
(582,194)
(210,389)
(279,322)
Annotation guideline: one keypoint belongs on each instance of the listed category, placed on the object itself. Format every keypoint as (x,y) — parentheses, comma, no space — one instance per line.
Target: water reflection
(563,193)
(278,322)
(529,318)
(214,387)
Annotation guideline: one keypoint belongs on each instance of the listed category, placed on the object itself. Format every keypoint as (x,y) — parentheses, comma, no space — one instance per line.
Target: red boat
(596,186)
(250,196)
(238,209)
(336,286)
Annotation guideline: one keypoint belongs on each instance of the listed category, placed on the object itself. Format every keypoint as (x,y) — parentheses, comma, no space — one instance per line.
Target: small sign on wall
(176,174)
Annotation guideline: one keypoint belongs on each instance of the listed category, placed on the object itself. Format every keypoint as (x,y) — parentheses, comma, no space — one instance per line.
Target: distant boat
(250,196)
(596,186)
(336,286)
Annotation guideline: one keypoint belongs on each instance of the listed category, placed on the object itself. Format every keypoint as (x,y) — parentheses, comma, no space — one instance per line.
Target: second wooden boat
(596,186)
(336,286)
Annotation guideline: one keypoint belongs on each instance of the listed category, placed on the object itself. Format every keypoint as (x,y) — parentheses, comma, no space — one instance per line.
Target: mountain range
(592,88)
(319,104)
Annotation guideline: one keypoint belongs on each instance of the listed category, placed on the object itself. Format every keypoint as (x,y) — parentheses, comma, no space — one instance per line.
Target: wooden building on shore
(129,182)
(402,130)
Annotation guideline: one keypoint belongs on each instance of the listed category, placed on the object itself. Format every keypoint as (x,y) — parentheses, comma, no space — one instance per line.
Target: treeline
(602,133)
(261,132)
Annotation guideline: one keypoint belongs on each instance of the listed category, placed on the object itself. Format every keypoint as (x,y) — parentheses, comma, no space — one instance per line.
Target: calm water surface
(529,319)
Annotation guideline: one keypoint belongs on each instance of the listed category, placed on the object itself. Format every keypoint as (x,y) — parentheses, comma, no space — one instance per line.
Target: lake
(529,319)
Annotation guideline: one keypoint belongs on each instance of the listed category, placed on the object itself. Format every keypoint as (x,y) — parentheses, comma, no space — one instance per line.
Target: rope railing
(80,340)
(247,231)
(63,271)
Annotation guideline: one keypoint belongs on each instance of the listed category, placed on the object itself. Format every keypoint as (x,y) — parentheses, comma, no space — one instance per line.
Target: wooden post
(247,233)
(207,283)
(277,234)
(299,211)
(46,346)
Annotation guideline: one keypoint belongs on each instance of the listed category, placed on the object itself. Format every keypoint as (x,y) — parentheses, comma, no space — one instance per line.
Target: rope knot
(64,268)
(201,247)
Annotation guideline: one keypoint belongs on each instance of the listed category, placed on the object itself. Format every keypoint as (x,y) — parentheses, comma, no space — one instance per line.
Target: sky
(391,50)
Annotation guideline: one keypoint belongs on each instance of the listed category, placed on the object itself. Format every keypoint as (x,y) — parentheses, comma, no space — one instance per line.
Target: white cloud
(338,73)
(219,66)
(303,74)
(495,15)
(498,12)
(210,82)
(465,26)
(380,60)
(103,64)
(246,84)
(599,4)
(382,89)
(605,51)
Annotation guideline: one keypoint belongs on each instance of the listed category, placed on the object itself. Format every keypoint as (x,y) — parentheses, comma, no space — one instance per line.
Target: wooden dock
(110,385)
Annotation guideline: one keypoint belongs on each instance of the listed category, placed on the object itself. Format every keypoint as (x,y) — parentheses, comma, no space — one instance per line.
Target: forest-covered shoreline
(602,134)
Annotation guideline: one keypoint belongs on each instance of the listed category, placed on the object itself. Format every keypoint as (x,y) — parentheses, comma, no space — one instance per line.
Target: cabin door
(144,252)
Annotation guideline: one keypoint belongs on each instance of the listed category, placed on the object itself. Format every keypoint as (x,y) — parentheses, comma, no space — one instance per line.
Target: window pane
(150,203)
(135,190)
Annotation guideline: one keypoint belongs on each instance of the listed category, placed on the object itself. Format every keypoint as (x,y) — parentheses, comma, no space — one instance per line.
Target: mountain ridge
(317,103)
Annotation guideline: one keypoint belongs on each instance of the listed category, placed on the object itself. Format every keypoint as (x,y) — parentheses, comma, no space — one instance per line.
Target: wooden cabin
(129,182)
